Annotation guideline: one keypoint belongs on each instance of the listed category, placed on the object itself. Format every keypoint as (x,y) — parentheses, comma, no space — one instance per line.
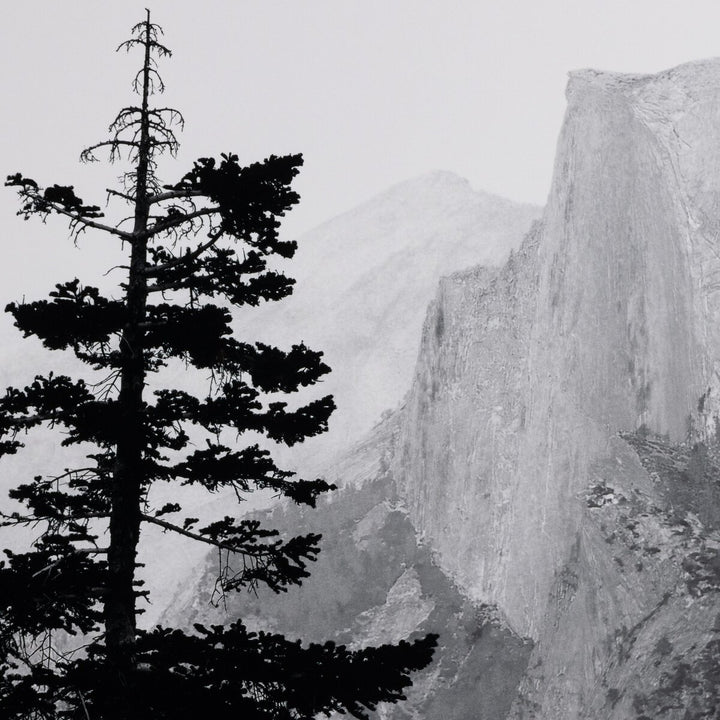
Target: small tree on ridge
(196,248)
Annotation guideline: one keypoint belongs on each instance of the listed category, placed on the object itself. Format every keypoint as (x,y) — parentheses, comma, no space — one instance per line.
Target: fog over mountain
(547,497)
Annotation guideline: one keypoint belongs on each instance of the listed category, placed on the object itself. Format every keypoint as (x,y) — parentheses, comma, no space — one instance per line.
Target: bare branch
(77,218)
(129,198)
(116,267)
(87,154)
(180,219)
(120,119)
(175,195)
(194,536)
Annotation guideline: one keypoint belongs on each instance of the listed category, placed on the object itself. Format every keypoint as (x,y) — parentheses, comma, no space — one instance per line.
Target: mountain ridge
(364,281)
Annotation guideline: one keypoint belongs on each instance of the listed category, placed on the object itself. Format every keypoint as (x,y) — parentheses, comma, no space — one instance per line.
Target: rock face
(605,321)
(548,495)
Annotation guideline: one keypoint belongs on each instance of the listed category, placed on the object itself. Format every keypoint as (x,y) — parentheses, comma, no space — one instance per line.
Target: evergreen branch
(14,519)
(265,558)
(165,287)
(75,317)
(79,551)
(62,200)
(28,421)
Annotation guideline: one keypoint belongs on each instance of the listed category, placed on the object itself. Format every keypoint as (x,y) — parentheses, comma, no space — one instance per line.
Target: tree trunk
(128,481)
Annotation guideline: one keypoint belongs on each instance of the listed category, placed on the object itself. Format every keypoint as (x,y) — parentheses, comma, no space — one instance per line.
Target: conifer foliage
(195,248)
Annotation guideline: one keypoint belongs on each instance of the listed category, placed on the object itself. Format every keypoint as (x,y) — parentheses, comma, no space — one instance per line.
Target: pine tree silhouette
(196,249)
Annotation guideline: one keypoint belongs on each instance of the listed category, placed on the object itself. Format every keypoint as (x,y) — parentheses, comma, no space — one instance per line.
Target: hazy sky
(371,91)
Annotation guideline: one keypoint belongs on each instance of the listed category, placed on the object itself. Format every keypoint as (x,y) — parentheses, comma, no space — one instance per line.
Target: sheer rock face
(605,321)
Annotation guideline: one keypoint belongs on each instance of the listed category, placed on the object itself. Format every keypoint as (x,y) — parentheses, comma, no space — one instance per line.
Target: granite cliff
(364,281)
(525,458)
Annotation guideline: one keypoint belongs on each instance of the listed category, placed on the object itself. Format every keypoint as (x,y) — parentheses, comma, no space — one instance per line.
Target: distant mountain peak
(365,279)
(430,193)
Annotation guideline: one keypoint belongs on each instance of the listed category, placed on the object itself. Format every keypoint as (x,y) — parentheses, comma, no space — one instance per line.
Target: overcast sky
(371,91)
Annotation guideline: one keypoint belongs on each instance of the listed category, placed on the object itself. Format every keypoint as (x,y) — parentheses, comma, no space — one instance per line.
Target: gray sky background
(371,91)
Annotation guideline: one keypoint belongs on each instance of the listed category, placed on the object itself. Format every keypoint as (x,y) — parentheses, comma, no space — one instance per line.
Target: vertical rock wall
(606,320)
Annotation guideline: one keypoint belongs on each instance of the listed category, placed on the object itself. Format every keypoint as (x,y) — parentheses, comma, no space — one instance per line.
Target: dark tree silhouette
(196,248)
